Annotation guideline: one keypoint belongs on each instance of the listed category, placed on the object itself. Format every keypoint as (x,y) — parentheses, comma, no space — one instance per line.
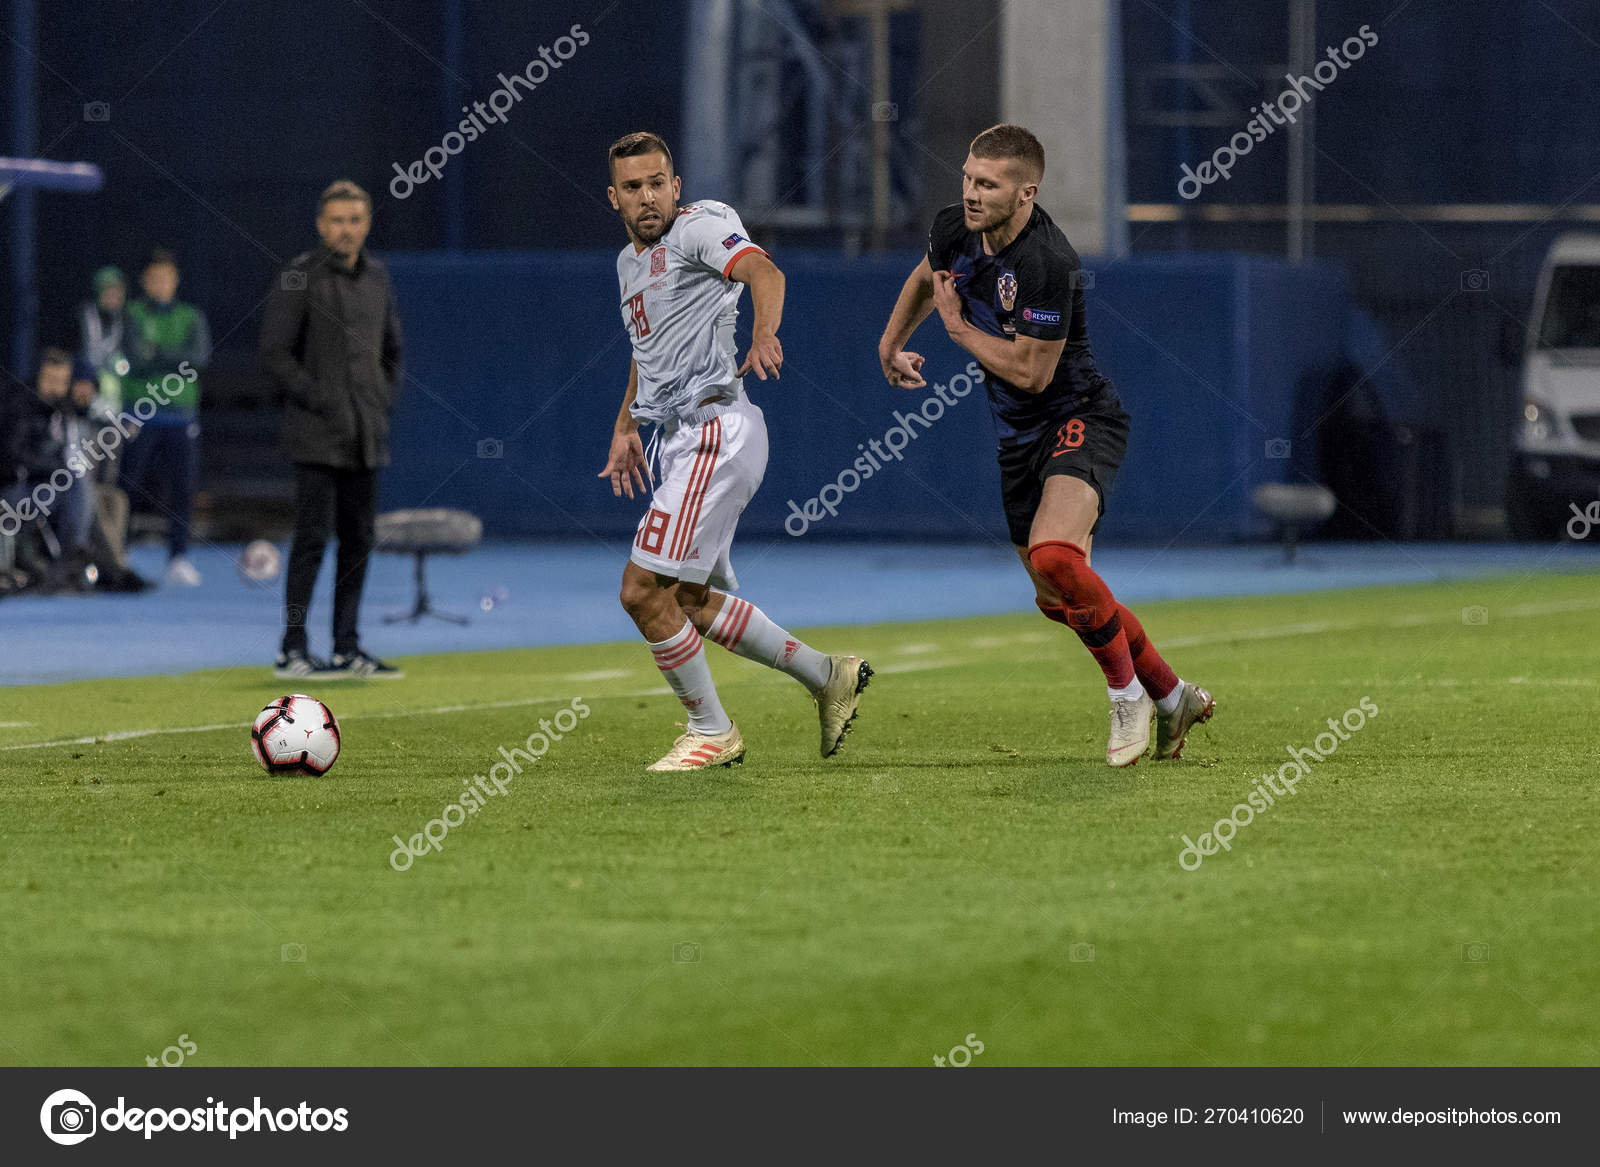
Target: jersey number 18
(641,323)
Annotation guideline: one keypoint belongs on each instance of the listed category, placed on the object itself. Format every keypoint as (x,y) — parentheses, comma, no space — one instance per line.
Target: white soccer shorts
(710,468)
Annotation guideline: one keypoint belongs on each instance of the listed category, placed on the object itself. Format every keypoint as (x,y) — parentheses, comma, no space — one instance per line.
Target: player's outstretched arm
(766,285)
(1026,362)
(626,464)
(900,368)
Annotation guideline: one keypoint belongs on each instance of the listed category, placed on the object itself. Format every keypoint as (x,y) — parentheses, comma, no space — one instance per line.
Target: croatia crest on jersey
(1006,287)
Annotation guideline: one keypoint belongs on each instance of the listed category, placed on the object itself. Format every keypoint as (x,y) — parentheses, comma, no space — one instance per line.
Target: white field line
(1272,632)
(1019,638)
(1550,608)
(920,666)
(1426,682)
(1278,631)
(1411,620)
(121,735)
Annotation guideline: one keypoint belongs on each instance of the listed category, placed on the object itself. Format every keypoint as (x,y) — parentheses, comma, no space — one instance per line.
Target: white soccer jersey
(679,306)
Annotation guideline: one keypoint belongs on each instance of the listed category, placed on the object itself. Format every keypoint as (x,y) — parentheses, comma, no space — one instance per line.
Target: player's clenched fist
(947,301)
(626,466)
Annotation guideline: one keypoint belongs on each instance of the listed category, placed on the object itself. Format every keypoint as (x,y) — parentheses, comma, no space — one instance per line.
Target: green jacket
(166,345)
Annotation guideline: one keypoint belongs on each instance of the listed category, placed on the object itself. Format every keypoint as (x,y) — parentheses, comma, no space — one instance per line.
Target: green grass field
(968,865)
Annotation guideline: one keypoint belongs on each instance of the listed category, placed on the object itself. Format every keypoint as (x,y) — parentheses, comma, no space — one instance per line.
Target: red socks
(1155,674)
(1089,607)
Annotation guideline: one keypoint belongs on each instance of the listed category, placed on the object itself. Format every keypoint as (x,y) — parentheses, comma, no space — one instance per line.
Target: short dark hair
(55,356)
(635,144)
(343,188)
(160,255)
(1009,141)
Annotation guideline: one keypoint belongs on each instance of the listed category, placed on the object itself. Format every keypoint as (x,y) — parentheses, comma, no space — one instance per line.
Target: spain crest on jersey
(658,261)
(1006,287)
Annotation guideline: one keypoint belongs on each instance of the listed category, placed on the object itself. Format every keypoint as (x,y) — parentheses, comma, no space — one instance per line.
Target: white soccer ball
(296,735)
(260,562)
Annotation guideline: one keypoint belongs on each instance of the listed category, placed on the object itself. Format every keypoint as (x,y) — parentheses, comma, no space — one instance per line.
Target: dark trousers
(342,503)
(160,469)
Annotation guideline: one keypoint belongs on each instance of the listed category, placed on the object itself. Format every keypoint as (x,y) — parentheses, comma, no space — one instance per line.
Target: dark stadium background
(217,145)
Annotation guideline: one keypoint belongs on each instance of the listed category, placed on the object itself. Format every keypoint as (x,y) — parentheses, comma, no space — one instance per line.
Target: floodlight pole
(1302,134)
(25,144)
(878,22)
(1116,244)
(707,152)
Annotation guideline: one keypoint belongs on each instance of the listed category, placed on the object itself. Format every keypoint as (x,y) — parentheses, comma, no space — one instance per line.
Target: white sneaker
(696,751)
(838,700)
(181,573)
(1130,730)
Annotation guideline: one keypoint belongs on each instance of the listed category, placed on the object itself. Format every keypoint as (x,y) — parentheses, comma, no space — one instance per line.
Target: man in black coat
(331,343)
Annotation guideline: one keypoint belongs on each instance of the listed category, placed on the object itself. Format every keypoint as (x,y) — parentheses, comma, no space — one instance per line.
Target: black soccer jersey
(1031,287)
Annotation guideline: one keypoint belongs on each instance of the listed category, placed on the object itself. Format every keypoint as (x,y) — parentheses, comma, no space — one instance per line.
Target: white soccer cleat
(183,574)
(1172,729)
(696,751)
(838,700)
(1130,730)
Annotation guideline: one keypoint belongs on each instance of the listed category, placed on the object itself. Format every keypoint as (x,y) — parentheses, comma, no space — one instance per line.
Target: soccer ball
(260,562)
(296,735)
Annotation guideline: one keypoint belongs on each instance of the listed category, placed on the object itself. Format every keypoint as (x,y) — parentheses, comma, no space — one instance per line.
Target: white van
(1555,464)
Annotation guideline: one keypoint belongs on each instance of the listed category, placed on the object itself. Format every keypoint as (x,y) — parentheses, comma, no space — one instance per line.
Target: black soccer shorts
(1086,445)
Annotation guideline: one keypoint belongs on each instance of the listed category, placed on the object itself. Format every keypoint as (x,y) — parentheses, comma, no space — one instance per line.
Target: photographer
(107,544)
(12,405)
(50,506)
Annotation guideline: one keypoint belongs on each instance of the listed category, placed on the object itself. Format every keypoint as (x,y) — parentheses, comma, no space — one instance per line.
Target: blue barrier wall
(517,363)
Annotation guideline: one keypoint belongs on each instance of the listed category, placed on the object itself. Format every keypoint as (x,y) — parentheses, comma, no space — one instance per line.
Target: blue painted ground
(519,595)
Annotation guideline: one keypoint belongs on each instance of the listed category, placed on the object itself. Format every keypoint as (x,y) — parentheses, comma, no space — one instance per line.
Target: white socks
(743,628)
(1163,704)
(684,666)
(740,628)
(1131,692)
